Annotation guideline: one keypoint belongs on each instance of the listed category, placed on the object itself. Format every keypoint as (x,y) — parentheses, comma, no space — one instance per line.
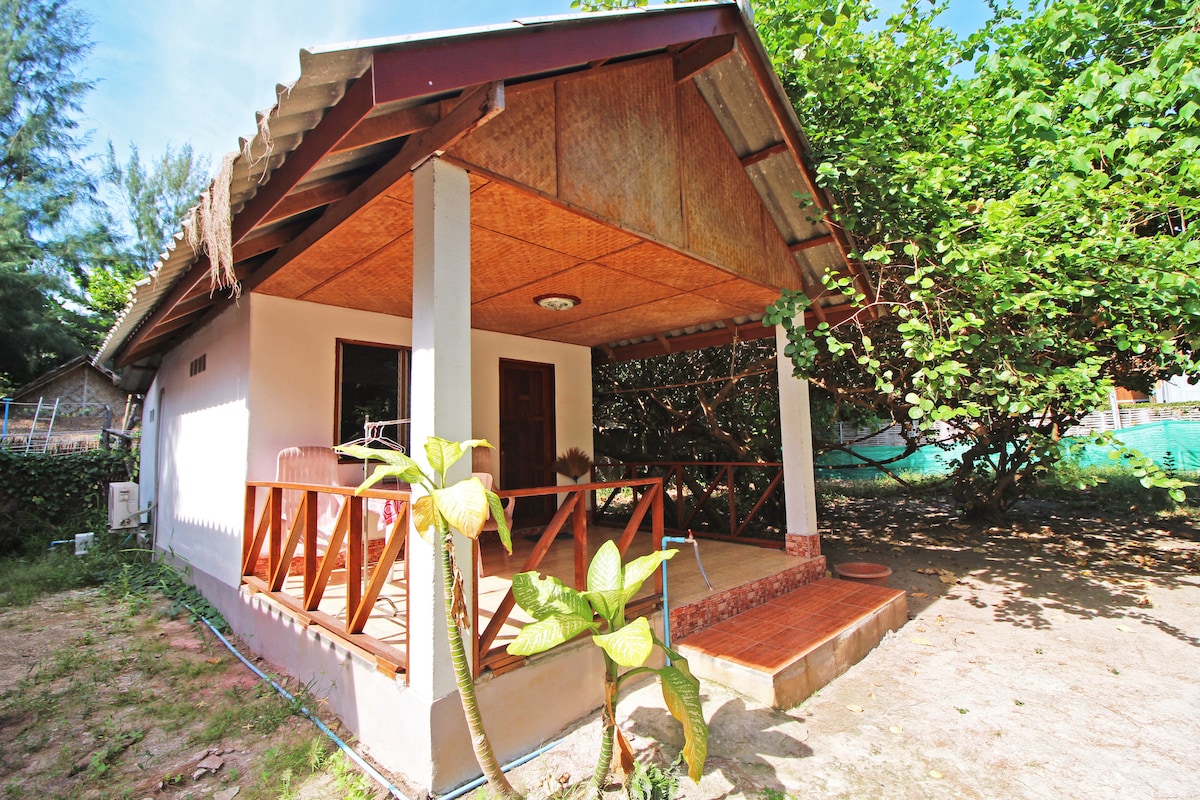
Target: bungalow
(443,230)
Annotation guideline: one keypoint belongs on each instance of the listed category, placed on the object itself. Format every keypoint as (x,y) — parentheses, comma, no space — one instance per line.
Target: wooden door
(527,442)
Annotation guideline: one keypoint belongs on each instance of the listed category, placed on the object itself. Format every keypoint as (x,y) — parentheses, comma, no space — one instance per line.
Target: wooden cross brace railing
(345,544)
(573,507)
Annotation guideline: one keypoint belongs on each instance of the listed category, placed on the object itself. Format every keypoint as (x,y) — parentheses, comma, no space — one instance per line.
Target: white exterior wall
(269,384)
(293,356)
(202,427)
(1177,390)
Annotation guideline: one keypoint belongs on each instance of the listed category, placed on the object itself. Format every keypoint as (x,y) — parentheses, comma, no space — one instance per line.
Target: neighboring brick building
(77,384)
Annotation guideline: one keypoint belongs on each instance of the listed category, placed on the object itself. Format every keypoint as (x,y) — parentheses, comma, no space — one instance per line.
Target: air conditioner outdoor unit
(123,506)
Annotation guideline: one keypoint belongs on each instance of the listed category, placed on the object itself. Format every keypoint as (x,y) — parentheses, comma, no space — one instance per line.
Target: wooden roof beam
(196,275)
(188,306)
(385,127)
(808,244)
(265,243)
(762,155)
(161,332)
(316,144)
(746,332)
(700,56)
(478,106)
(470,60)
(315,197)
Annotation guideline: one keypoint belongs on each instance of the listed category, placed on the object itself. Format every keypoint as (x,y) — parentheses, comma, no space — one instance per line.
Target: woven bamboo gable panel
(518,214)
(518,144)
(727,223)
(618,148)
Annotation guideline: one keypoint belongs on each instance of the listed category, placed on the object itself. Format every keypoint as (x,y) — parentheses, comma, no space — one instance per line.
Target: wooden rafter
(477,107)
(333,127)
(307,199)
(808,244)
(762,155)
(386,127)
(703,54)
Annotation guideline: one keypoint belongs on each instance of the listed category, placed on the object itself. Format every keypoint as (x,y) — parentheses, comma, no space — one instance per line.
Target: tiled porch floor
(786,649)
(727,564)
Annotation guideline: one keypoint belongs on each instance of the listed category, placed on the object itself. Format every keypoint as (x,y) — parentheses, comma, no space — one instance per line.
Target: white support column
(795,433)
(441,394)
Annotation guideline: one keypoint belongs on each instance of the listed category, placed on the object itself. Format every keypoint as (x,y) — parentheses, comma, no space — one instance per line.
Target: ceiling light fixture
(557,302)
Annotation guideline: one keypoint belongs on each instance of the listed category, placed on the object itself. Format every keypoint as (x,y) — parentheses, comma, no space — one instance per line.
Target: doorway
(527,442)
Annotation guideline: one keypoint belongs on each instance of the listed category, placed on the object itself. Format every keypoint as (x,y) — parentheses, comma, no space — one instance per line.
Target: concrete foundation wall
(427,742)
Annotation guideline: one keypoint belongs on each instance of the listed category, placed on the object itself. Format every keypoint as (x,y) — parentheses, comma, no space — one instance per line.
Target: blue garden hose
(666,602)
(349,751)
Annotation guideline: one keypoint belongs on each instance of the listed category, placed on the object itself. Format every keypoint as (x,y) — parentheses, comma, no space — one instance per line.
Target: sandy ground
(1054,656)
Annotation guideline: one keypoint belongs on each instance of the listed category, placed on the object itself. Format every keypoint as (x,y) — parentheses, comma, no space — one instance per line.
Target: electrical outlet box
(123,510)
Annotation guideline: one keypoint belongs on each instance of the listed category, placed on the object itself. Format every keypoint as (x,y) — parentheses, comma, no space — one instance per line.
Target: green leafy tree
(42,45)
(1028,229)
(140,208)
(153,198)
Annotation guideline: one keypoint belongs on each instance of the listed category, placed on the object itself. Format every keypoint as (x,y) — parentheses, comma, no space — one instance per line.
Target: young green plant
(561,613)
(463,506)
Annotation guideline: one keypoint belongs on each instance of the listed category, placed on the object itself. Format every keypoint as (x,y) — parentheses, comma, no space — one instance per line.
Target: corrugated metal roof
(730,87)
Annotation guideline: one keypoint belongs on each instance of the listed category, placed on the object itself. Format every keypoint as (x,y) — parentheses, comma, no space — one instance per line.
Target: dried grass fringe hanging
(268,144)
(209,229)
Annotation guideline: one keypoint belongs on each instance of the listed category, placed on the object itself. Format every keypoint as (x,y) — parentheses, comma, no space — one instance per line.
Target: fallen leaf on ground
(921,640)
(1145,600)
(855,709)
(927,571)
(946,576)
(933,773)
(895,729)
(918,594)
(1123,629)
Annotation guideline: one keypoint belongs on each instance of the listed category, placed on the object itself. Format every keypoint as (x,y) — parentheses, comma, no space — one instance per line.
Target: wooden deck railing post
(579,519)
(275,532)
(248,525)
(310,541)
(354,558)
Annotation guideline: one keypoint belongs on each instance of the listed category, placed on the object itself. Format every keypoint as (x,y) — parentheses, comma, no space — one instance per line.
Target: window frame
(403,389)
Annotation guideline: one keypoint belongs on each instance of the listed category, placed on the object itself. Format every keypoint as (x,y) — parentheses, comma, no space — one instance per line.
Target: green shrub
(47,497)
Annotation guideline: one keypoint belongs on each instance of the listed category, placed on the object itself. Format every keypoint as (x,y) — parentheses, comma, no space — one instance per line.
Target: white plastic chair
(312,465)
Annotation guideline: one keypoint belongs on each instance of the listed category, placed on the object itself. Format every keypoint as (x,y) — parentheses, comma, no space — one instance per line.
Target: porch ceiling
(523,247)
(321,197)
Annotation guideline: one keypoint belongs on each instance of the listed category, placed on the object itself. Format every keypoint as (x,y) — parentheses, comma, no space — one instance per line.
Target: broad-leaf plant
(462,506)
(561,613)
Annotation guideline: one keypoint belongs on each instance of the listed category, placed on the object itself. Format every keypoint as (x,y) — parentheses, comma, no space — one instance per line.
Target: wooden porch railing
(573,508)
(713,499)
(345,545)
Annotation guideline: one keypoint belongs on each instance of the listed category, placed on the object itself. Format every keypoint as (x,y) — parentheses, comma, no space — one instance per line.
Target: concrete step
(781,652)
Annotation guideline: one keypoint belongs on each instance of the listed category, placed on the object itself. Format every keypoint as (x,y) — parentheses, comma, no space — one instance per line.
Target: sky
(172,71)
(175,71)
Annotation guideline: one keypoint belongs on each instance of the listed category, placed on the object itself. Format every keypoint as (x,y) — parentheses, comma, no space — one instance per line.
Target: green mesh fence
(1172,444)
